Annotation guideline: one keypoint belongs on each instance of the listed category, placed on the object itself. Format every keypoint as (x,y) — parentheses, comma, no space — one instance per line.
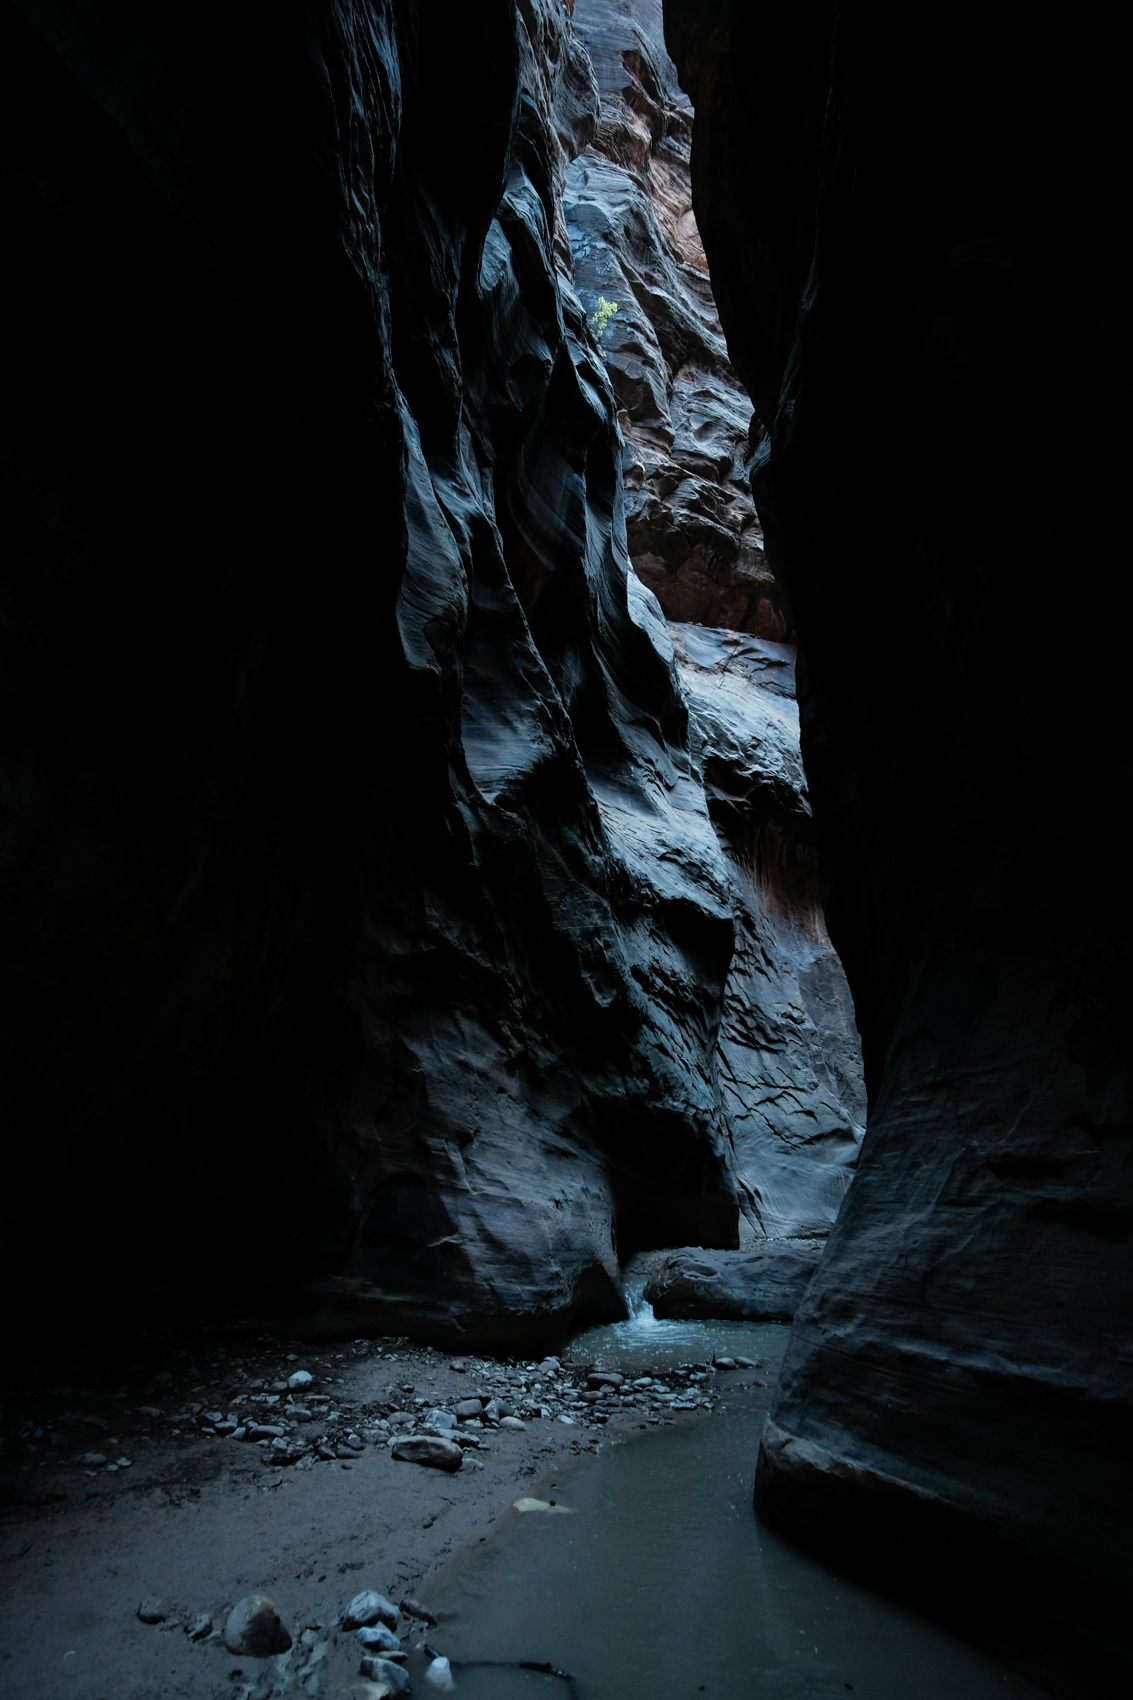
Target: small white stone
(439,1675)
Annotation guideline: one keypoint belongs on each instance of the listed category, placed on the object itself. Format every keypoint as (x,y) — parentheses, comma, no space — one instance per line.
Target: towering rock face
(694,536)
(914,255)
(386,945)
(367,927)
(789,1060)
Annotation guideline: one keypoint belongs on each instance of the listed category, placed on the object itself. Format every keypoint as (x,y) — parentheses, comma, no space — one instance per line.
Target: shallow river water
(652,1579)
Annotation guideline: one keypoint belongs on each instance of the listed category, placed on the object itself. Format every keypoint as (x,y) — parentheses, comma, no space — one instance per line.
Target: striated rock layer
(788,1056)
(913,250)
(370,901)
(694,536)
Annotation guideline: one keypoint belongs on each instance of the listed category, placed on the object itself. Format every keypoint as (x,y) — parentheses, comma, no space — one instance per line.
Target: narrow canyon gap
(409,878)
(914,232)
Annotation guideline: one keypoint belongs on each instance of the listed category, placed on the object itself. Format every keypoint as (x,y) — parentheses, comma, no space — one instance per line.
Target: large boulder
(764,1285)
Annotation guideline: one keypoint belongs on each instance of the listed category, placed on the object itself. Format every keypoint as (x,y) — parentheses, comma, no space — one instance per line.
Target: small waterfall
(640,1311)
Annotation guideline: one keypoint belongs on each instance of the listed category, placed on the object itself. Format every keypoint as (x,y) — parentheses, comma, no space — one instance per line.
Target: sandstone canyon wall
(788,1057)
(914,251)
(694,536)
(369,898)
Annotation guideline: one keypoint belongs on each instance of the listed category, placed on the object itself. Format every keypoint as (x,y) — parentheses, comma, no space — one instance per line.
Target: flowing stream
(652,1579)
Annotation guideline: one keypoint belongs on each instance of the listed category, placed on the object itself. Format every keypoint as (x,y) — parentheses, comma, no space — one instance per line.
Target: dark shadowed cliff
(396,930)
(366,930)
(914,249)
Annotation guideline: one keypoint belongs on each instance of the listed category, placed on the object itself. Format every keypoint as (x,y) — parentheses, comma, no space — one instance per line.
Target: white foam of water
(647,1339)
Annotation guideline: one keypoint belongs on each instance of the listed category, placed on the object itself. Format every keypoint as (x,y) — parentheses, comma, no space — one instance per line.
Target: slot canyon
(542,716)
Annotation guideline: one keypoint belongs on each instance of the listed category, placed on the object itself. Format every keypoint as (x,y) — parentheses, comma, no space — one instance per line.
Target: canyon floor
(195,1520)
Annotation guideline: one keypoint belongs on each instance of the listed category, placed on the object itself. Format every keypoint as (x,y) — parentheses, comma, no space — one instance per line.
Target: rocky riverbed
(142,1502)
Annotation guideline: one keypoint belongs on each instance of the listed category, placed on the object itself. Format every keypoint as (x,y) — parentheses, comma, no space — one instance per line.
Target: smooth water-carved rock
(359,864)
(369,1608)
(914,300)
(788,1056)
(764,1285)
(788,1053)
(433,1450)
(253,1628)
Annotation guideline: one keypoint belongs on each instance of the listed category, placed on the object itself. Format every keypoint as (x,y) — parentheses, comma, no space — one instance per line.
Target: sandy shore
(196,1520)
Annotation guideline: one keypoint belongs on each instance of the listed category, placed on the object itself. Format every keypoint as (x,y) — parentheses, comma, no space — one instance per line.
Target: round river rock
(254,1629)
(428,1449)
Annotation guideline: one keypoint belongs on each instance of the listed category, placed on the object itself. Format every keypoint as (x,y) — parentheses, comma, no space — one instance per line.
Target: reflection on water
(663,1586)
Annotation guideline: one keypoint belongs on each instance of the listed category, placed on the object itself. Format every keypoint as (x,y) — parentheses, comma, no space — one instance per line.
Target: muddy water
(657,1583)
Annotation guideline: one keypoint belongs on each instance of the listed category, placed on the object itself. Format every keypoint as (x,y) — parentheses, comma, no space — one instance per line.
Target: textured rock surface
(359,886)
(945,399)
(766,1285)
(253,1628)
(429,1449)
(694,536)
(789,1059)
(788,1053)
(367,927)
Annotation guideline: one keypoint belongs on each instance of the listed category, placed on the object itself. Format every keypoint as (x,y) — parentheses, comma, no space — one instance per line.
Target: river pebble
(385,1671)
(369,1608)
(376,1638)
(428,1449)
(414,1608)
(440,1419)
(253,1627)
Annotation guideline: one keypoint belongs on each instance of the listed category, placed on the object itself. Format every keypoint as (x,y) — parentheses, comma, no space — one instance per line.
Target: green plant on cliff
(600,320)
